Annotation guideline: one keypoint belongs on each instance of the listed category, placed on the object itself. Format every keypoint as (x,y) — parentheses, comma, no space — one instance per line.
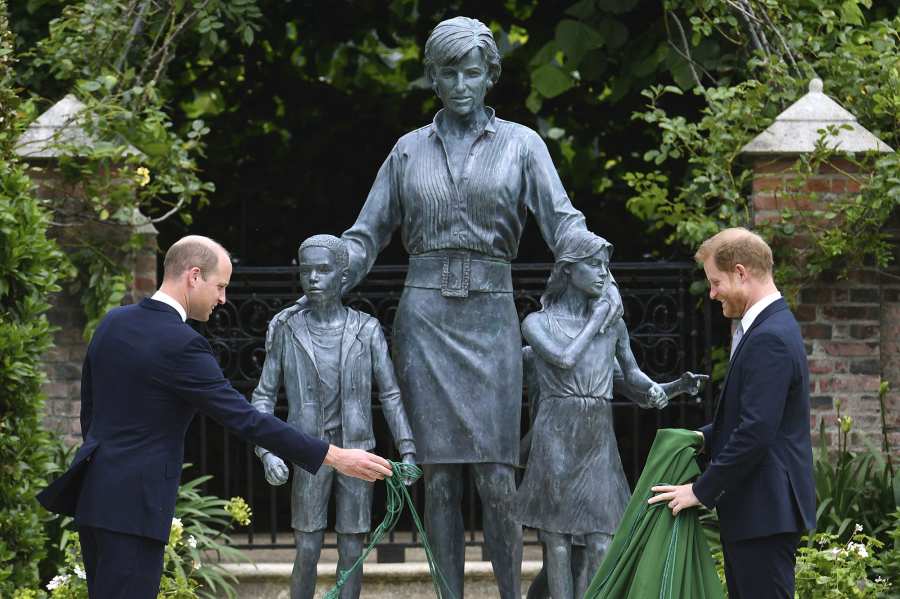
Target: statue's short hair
(193,251)
(737,245)
(335,245)
(453,38)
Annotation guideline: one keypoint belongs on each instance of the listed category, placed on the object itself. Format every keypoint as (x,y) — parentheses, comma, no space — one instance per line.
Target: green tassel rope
(397,496)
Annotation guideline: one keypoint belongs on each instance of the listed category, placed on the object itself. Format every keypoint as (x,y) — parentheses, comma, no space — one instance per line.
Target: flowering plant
(197,537)
(831,569)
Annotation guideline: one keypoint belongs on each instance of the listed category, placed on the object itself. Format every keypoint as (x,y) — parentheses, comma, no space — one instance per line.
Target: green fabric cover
(653,554)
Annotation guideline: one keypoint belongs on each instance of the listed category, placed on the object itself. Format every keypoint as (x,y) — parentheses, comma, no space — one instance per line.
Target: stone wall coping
(797,129)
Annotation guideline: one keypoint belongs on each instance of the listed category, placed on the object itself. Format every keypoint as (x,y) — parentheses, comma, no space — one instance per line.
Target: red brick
(840,166)
(865,295)
(849,348)
(777,165)
(841,295)
(144,285)
(818,184)
(816,331)
(815,295)
(851,312)
(768,183)
(864,276)
(864,331)
(805,313)
(765,218)
(765,201)
(821,366)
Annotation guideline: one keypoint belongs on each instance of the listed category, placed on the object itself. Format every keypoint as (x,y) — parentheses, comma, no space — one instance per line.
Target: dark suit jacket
(145,376)
(760,477)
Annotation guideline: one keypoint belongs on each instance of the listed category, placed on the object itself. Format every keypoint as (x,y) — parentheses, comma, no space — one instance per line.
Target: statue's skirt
(459,364)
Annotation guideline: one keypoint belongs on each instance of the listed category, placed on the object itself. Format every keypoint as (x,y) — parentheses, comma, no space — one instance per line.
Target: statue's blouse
(507,172)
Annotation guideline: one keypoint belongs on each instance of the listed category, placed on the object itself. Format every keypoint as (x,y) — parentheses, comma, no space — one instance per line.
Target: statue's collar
(489,126)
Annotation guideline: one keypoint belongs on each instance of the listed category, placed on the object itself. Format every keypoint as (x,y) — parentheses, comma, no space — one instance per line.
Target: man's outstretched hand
(680,497)
(357,463)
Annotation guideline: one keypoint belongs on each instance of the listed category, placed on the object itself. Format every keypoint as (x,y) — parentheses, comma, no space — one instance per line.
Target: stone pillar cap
(61,124)
(797,129)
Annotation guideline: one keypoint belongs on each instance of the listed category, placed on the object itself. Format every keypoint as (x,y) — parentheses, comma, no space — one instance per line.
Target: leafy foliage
(31,267)
(830,569)
(855,50)
(198,537)
(854,488)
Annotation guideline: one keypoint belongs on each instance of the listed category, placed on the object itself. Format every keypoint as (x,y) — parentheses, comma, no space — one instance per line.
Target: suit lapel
(300,330)
(771,309)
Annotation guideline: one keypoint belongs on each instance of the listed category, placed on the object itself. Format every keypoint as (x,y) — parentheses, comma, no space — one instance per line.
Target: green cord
(397,495)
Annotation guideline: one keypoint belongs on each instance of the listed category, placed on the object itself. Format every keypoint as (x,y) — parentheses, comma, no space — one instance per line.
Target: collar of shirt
(162,296)
(756,309)
(489,127)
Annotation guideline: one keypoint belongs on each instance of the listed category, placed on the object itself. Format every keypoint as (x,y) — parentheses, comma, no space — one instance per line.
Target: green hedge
(31,266)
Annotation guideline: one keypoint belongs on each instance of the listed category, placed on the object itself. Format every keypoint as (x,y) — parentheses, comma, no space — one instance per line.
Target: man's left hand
(680,497)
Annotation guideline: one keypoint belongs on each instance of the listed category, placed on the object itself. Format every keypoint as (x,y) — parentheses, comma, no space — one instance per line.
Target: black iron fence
(670,332)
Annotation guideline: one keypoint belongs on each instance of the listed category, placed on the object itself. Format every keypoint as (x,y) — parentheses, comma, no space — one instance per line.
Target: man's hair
(454,38)
(191,251)
(335,245)
(734,246)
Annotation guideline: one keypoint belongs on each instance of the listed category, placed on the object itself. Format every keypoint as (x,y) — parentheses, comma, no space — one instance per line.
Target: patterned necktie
(736,338)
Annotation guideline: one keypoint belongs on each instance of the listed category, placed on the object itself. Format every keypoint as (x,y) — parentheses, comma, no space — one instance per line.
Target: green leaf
(575,38)
(551,81)
(613,32)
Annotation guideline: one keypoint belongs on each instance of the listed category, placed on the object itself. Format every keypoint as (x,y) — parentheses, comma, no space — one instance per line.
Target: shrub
(197,539)
(31,267)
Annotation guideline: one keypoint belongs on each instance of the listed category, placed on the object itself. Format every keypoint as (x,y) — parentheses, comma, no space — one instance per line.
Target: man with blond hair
(145,375)
(760,476)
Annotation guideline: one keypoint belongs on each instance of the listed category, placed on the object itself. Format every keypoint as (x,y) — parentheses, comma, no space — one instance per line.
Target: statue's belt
(458,273)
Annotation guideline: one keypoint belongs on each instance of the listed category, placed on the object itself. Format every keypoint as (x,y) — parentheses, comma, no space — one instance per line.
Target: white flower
(859,548)
(880,580)
(176,522)
(858,528)
(196,565)
(80,573)
(192,542)
(834,551)
(57,581)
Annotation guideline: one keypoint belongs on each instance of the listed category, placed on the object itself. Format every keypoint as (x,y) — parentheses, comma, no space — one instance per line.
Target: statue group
(459,190)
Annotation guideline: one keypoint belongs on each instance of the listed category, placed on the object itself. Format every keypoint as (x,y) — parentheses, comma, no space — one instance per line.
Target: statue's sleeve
(377,220)
(389,391)
(266,392)
(546,197)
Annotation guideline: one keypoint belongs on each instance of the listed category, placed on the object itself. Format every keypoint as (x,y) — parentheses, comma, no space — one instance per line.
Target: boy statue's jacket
(290,359)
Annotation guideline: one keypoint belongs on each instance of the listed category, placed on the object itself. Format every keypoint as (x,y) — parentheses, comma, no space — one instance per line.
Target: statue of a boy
(326,356)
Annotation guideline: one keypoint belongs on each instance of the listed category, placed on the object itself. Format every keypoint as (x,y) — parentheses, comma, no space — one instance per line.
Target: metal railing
(669,328)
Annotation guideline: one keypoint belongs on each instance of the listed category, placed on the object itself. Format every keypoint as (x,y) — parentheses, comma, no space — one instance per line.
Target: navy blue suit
(145,376)
(760,476)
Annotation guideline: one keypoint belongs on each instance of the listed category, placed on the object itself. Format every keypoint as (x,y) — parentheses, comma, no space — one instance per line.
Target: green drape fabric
(653,554)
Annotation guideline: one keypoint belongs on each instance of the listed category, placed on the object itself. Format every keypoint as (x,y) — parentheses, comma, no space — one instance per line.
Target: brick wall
(850,326)
(62,364)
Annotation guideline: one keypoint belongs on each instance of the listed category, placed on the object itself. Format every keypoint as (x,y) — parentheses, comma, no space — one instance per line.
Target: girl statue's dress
(574,482)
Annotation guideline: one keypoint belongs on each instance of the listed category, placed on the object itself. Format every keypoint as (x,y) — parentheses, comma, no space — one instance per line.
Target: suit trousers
(761,567)
(119,565)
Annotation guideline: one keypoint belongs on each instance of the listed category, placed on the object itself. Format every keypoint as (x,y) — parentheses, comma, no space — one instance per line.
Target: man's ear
(193,276)
(741,272)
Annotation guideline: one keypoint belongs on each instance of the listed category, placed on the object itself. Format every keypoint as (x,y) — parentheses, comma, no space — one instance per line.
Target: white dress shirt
(162,296)
(757,308)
